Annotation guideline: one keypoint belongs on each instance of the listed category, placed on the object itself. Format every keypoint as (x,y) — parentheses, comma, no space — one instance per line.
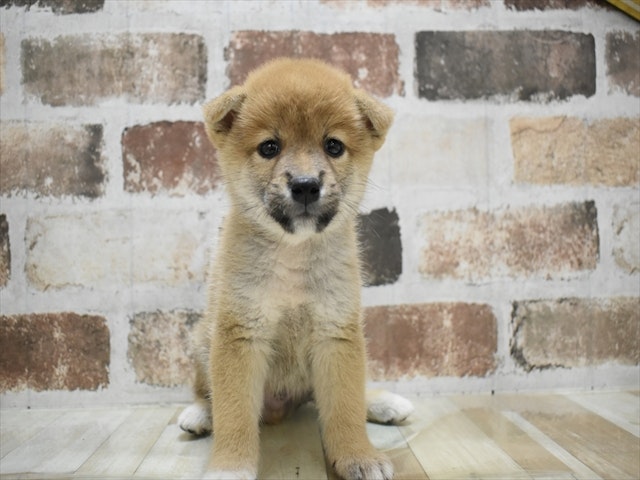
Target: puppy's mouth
(293,218)
(302,205)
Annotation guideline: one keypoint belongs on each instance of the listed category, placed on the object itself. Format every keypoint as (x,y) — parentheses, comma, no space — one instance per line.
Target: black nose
(305,190)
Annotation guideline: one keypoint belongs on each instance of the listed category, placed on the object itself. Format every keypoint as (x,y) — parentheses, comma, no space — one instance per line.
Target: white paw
(229,475)
(387,407)
(196,419)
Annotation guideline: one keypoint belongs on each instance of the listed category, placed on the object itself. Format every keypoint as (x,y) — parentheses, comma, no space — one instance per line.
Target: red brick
(513,65)
(160,346)
(370,58)
(431,340)
(173,157)
(574,151)
(52,159)
(519,242)
(5,252)
(141,68)
(623,62)
(576,332)
(55,351)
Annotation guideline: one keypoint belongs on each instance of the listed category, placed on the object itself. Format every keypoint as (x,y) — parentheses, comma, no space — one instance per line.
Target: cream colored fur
(283,323)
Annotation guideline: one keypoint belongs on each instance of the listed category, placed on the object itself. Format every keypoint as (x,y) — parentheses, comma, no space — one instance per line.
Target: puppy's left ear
(378,117)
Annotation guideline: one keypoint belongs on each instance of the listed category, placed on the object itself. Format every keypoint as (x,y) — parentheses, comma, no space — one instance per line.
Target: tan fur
(283,322)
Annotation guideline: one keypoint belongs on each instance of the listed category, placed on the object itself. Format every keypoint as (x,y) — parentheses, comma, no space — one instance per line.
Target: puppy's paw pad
(387,407)
(229,475)
(195,419)
(364,468)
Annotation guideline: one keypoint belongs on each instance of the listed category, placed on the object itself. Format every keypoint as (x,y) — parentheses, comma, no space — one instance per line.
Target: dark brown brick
(5,252)
(575,332)
(173,157)
(431,340)
(141,68)
(55,351)
(54,160)
(516,65)
(58,6)
(519,242)
(160,345)
(370,58)
(552,4)
(379,235)
(623,62)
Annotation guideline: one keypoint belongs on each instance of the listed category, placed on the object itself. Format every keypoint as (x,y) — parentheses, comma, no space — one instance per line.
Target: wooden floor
(576,436)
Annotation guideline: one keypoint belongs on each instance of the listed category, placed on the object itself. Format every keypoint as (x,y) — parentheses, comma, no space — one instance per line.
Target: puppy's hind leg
(386,407)
(196,418)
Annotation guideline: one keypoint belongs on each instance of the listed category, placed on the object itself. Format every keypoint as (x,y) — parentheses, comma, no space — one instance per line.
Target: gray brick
(623,62)
(575,332)
(379,234)
(516,65)
(52,159)
(141,68)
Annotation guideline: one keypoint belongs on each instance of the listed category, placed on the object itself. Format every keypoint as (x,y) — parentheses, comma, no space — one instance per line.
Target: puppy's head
(295,145)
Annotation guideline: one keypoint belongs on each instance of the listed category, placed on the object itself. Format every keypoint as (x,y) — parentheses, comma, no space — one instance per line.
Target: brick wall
(501,229)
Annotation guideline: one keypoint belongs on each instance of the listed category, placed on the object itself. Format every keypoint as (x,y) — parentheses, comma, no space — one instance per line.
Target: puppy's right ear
(221,112)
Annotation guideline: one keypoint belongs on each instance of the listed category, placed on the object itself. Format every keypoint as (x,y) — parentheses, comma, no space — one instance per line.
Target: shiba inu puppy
(283,324)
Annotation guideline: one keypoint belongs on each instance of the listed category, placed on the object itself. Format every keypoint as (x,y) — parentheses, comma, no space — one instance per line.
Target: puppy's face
(295,145)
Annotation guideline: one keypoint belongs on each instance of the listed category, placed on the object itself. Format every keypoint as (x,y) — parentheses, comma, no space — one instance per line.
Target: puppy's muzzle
(305,190)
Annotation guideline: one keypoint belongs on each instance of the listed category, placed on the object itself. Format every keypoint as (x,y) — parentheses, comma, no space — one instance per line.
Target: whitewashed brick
(116,249)
(626,239)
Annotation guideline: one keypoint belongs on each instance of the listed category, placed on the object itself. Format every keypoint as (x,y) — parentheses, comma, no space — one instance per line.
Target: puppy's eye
(333,147)
(269,148)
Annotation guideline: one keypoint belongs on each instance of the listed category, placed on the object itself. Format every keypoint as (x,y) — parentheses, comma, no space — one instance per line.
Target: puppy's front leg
(339,389)
(238,371)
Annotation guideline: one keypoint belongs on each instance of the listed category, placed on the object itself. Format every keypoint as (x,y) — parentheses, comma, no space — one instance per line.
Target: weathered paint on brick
(116,248)
(2,63)
(370,58)
(575,332)
(160,347)
(54,351)
(430,151)
(574,151)
(52,159)
(141,68)
(59,7)
(169,157)
(437,5)
(5,252)
(626,237)
(623,62)
(519,242)
(381,246)
(517,65)
(431,340)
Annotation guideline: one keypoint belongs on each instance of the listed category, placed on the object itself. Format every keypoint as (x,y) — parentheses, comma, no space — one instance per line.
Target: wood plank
(64,444)
(292,449)
(126,448)
(610,451)
(448,445)
(176,454)
(18,426)
(389,439)
(620,408)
